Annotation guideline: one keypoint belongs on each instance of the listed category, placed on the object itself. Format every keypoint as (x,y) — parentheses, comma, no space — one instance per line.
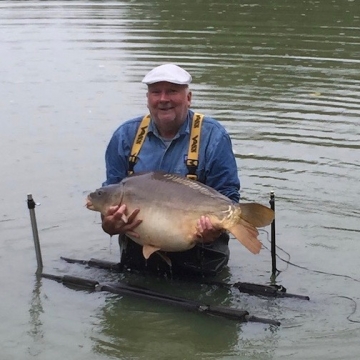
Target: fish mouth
(89,204)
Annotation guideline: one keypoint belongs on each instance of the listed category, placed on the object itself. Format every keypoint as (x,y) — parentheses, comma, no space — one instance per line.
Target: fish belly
(167,230)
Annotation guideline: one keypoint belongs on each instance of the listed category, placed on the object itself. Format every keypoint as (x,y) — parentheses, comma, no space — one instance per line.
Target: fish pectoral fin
(165,258)
(256,214)
(247,235)
(148,250)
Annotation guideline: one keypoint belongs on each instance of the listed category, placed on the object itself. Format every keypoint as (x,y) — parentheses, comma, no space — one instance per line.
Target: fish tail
(256,214)
(247,235)
(245,219)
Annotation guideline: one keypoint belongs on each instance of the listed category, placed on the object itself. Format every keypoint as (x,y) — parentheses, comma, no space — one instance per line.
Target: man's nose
(164,96)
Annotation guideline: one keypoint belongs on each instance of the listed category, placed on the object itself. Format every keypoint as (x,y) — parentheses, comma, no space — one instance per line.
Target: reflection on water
(282,76)
(155,332)
(35,311)
(135,328)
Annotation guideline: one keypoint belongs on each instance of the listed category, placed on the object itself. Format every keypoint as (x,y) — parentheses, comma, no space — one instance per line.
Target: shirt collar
(185,127)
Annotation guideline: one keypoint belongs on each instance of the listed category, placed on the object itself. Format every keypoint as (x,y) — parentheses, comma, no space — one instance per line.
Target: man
(165,147)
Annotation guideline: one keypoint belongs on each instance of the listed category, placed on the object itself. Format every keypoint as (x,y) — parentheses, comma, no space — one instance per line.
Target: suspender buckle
(132,161)
(192,166)
(191,177)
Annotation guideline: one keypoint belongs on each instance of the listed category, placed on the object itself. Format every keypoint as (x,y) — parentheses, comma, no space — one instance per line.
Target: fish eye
(99,192)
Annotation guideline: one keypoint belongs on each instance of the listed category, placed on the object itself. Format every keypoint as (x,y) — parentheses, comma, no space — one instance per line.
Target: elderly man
(163,141)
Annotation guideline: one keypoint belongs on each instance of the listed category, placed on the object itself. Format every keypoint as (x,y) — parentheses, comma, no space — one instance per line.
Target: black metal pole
(143,293)
(273,240)
(243,287)
(31,206)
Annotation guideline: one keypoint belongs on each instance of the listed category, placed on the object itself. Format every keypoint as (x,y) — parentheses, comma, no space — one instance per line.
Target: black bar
(142,293)
(266,290)
(101,264)
(75,261)
(229,313)
(273,239)
(31,206)
(73,281)
(243,287)
(262,320)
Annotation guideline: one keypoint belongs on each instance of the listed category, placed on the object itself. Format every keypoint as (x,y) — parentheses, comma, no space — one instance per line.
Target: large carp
(170,206)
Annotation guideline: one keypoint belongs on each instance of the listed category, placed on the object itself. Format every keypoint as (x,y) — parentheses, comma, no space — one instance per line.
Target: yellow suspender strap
(192,161)
(138,142)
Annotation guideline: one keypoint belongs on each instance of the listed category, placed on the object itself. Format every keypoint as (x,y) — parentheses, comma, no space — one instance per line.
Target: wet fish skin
(170,206)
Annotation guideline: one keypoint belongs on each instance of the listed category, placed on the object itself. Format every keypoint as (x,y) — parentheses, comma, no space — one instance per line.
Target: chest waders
(201,260)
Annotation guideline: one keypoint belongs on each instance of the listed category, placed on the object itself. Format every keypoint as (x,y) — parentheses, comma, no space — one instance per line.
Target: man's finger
(208,224)
(132,216)
(199,226)
(112,210)
(129,229)
(124,218)
(132,234)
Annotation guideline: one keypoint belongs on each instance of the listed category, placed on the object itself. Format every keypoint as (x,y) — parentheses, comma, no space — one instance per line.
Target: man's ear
(189,97)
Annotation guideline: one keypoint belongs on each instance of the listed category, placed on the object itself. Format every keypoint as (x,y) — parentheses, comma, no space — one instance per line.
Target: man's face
(168,102)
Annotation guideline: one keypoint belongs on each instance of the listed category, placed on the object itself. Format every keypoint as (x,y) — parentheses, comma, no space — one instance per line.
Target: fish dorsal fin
(247,235)
(256,214)
(148,250)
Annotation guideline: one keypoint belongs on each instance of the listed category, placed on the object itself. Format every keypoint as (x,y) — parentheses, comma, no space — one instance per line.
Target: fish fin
(247,235)
(256,214)
(148,250)
(165,258)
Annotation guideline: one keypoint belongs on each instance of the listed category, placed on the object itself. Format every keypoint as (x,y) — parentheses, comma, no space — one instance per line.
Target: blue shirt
(217,165)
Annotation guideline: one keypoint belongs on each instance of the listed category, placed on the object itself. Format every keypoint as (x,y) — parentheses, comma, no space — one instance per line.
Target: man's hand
(206,231)
(116,221)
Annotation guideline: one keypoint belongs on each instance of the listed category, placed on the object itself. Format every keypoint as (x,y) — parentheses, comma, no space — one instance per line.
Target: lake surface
(281,76)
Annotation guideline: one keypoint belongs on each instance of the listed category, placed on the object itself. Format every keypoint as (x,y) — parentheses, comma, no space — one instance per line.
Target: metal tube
(273,240)
(31,207)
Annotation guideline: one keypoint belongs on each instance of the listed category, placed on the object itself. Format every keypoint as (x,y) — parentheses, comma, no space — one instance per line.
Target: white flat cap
(167,72)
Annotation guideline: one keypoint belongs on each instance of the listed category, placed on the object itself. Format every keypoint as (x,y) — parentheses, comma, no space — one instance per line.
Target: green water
(282,76)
